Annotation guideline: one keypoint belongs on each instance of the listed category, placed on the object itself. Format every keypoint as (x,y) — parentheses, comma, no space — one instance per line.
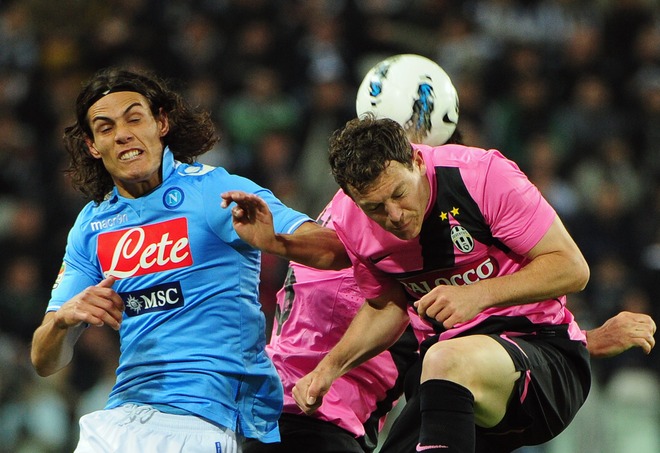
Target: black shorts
(301,433)
(554,383)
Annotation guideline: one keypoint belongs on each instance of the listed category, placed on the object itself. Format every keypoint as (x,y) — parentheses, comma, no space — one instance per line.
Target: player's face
(128,139)
(398,198)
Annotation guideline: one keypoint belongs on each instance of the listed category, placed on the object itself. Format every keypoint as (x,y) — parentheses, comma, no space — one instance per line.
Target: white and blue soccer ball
(415,92)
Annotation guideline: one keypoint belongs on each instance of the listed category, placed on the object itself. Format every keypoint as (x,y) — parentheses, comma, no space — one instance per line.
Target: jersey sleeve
(514,207)
(285,219)
(78,270)
(346,221)
(372,281)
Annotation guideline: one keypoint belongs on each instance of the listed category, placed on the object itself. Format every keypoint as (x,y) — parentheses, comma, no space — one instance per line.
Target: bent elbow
(581,275)
(41,369)
(43,372)
(40,365)
(43,364)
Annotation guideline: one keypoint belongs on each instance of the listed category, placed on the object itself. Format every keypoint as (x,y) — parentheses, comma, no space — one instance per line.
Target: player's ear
(91,148)
(163,123)
(418,160)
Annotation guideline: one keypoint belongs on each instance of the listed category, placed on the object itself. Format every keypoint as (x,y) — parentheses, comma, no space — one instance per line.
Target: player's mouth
(400,229)
(129,154)
(407,229)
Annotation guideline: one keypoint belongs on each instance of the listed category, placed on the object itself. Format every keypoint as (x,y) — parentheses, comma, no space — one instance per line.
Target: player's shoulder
(458,155)
(198,170)
(338,200)
(473,163)
(95,216)
(342,207)
(350,222)
(93,208)
(211,179)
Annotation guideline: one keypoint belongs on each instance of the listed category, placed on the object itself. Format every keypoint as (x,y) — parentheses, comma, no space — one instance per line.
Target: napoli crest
(173,198)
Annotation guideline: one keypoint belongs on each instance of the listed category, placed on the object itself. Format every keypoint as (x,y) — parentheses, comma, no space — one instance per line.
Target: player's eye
(373,208)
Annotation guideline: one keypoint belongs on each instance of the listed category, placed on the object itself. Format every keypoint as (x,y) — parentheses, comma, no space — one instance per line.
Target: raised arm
(311,244)
(54,339)
(377,325)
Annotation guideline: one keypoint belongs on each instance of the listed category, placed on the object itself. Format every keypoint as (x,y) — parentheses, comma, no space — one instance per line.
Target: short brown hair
(360,151)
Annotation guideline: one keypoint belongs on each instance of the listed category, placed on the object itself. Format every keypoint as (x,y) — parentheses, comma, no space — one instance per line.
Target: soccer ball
(415,92)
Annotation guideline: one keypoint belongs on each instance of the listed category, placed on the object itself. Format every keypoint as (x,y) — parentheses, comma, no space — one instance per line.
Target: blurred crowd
(569,89)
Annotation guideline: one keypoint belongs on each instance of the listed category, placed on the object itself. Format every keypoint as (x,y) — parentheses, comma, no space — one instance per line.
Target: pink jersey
(314,309)
(483,216)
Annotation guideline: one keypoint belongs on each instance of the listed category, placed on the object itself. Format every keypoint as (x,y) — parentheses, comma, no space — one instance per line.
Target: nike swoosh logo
(378,259)
(421,447)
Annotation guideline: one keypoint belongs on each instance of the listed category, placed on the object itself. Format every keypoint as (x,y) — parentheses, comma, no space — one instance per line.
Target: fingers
(307,396)
(302,399)
(99,317)
(646,347)
(241,198)
(101,314)
(651,344)
(641,332)
(227,198)
(107,282)
(246,207)
(97,305)
(434,311)
(314,395)
(239,213)
(647,327)
(421,306)
(649,341)
(112,295)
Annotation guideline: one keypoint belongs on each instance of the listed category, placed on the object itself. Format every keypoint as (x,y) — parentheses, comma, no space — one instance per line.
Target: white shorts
(143,429)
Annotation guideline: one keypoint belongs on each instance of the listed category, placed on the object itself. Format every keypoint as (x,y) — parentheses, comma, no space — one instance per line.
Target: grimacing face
(398,198)
(127,137)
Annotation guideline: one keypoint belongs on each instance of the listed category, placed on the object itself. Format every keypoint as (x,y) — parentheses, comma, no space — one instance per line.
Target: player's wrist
(330,368)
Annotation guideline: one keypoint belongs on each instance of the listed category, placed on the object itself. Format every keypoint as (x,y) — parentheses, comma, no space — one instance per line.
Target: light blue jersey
(193,334)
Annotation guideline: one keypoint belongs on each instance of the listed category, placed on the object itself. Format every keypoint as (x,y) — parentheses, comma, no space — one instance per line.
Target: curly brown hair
(191,132)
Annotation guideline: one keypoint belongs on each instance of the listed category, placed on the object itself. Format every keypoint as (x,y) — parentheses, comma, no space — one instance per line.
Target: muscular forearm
(52,346)
(545,278)
(556,268)
(312,245)
(371,332)
(377,325)
(600,346)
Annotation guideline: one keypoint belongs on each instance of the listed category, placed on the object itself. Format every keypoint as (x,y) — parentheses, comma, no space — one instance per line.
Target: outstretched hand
(251,218)
(624,331)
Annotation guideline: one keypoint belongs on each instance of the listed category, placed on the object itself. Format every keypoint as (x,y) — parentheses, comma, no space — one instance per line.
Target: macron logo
(109,222)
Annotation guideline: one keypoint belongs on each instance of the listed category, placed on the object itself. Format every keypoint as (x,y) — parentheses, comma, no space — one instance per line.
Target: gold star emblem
(443,216)
(454,211)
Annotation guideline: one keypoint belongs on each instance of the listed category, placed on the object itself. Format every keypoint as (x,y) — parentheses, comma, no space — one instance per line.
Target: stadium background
(569,89)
